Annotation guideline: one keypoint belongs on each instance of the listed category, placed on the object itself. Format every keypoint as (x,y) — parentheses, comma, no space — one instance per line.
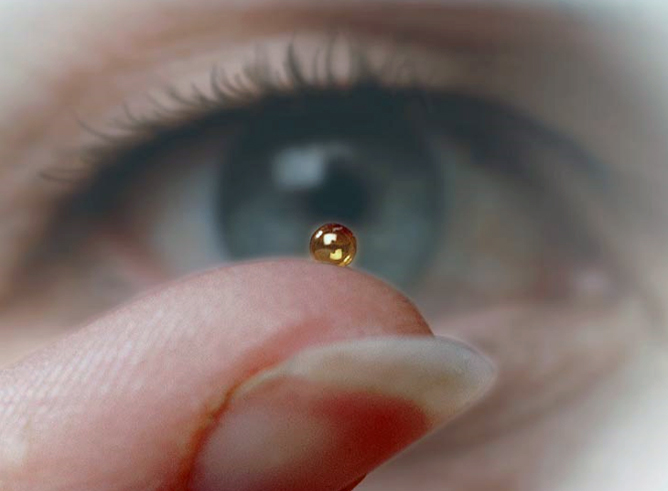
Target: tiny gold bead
(333,244)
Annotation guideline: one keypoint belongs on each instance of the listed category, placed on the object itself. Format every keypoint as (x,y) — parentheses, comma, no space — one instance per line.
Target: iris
(356,158)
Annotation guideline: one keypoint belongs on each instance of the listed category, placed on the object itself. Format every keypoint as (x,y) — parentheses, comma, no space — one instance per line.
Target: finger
(331,414)
(162,393)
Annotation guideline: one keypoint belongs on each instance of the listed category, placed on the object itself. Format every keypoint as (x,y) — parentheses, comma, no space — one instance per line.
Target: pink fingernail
(326,417)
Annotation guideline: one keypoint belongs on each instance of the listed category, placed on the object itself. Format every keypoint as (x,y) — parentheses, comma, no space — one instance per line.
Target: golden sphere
(333,243)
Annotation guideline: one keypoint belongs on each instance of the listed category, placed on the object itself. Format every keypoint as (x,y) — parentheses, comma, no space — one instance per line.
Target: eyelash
(256,83)
(248,88)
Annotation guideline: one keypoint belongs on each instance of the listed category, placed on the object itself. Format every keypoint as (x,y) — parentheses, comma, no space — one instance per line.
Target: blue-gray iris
(357,159)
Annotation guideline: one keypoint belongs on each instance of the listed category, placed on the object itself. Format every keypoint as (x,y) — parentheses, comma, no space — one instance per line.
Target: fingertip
(147,376)
(331,414)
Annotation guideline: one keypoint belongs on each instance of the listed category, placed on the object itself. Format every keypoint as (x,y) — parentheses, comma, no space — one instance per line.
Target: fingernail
(327,416)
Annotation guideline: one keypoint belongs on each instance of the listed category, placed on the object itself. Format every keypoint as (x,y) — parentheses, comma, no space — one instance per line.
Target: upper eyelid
(135,132)
(124,130)
(260,78)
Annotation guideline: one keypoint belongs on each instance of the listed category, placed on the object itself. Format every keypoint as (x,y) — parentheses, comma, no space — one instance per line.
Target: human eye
(440,185)
(478,177)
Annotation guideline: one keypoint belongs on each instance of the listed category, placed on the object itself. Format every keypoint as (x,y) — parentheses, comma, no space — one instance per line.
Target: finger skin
(124,404)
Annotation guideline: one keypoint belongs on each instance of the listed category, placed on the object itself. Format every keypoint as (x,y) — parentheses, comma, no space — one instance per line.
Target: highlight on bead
(333,243)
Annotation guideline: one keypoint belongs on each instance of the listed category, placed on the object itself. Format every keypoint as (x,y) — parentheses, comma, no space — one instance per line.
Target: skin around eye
(552,355)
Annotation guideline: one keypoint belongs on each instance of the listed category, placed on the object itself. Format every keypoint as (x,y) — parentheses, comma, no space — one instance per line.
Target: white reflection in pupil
(305,168)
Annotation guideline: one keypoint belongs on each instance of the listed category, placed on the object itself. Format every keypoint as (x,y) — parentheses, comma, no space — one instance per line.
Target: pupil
(342,195)
(352,159)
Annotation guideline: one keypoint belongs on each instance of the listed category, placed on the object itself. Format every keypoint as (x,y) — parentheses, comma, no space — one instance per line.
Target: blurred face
(502,165)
